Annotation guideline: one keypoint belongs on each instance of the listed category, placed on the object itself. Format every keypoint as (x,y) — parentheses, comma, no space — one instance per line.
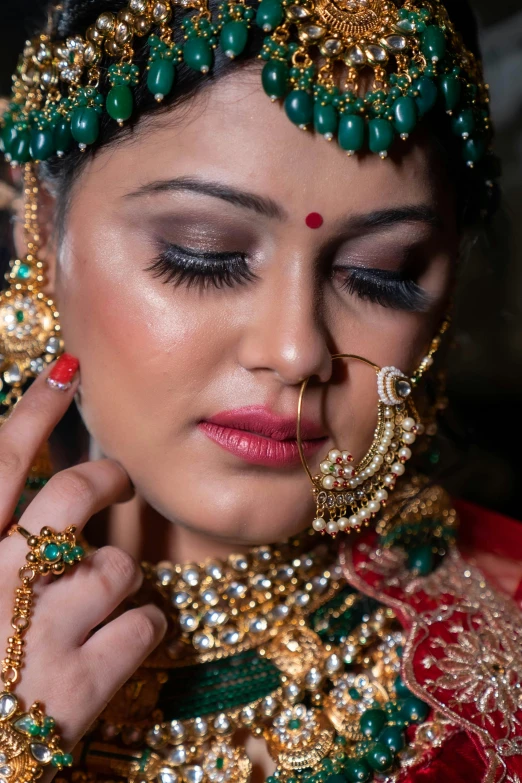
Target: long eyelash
(178,266)
(388,289)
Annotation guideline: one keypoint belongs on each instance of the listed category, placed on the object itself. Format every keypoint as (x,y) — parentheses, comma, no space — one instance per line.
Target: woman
(209,262)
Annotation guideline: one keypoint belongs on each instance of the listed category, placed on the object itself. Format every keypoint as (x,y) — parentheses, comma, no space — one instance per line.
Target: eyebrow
(387,218)
(238,198)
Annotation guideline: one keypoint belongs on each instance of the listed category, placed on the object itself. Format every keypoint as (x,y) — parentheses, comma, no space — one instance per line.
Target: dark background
(485,378)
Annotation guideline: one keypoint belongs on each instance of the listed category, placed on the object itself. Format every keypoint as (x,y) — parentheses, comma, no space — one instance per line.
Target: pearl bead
(398,468)
(353,520)
(332,527)
(389,480)
(343,523)
(363,514)
(408,424)
(319,524)
(382,449)
(408,437)
(334,455)
(374,506)
(352,483)
(404,453)
(388,413)
(348,472)
(328,482)
(347,457)
(325,467)
(377,460)
(381,494)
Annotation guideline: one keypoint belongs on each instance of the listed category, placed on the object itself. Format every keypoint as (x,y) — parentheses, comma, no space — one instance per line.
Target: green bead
(20,147)
(354,694)
(299,107)
(57,760)
(42,144)
(68,558)
(401,689)
(372,722)
(197,54)
(160,78)
(428,94)
(414,710)
(420,559)
(269,14)
(34,729)
(451,89)
(52,553)
(295,723)
(78,552)
(325,120)
(393,738)
(351,132)
(20,316)
(474,149)
(433,43)
(380,136)
(67,759)
(379,757)
(233,38)
(85,125)
(62,137)
(337,778)
(119,103)
(357,771)
(9,134)
(464,123)
(404,115)
(274,77)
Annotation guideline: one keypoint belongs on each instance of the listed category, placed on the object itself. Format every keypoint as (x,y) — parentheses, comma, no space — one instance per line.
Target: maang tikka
(349,494)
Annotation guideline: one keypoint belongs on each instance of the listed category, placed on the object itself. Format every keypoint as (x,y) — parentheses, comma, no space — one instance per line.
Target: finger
(101,583)
(29,426)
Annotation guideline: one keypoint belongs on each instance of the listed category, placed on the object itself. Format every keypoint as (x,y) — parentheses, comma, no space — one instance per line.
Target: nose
(286,333)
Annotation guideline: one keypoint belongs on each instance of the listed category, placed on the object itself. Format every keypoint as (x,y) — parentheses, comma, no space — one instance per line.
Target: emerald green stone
(414,710)
(354,694)
(269,14)
(393,738)
(119,103)
(57,760)
(372,722)
(85,125)
(451,89)
(65,547)
(433,43)
(220,762)
(299,107)
(42,144)
(233,38)
(160,78)
(67,759)
(34,729)
(325,120)
(3,397)
(23,272)
(474,149)
(49,722)
(379,757)
(401,689)
(274,77)
(63,137)
(420,559)
(427,96)
(463,124)
(197,54)
(20,147)
(404,115)
(357,771)
(20,316)
(52,553)
(380,135)
(8,135)
(336,778)
(68,558)
(351,132)
(295,723)
(78,552)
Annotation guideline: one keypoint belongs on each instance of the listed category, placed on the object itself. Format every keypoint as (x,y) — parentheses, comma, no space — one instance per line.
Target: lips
(258,436)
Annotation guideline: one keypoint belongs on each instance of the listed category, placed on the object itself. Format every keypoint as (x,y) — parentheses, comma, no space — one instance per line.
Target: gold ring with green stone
(51,552)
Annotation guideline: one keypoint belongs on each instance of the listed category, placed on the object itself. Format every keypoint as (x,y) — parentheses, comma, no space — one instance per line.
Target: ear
(47,243)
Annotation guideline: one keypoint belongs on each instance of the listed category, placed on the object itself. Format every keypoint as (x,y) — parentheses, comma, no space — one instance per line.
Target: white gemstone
(236,590)
(261,582)
(193,774)
(53,345)
(230,636)
(258,625)
(8,704)
(177,731)
(248,715)
(203,641)
(36,365)
(190,575)
(209,596)
(164,574)
(333,663)
(395,42)
(155,737)
(41,752)
(200,727)
(167,775)
(238,562)
(302,599)
(313,678)
(13,374)
(214,570)
(222,724)
(188,622)
(181,599)
(355,55)
(280,612)
(213,618)
(319,583)
(376,53)
(178,756)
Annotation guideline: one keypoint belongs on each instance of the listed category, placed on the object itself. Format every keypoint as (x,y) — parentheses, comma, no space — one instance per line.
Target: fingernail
(63,372)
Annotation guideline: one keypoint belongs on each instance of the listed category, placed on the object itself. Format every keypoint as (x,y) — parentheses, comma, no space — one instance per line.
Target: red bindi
(314,220)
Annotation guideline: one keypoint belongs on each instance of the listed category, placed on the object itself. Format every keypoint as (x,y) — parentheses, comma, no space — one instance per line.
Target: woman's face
(197,299)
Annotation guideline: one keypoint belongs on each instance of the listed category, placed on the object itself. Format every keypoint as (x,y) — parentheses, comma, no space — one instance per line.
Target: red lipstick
(258,436)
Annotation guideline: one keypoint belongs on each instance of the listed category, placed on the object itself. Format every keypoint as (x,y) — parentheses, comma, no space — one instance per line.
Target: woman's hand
(72,675)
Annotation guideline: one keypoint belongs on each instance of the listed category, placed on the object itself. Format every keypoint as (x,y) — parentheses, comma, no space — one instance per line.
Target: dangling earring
(29,328)
(348,495)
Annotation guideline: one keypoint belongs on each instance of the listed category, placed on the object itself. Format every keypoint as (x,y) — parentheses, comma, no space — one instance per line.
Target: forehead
(232,133)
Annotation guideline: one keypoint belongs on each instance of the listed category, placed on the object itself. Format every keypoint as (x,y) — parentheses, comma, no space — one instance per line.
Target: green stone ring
(51,552)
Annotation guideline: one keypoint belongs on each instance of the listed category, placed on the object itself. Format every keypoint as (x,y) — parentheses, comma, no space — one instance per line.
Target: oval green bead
(20,147)
(357,771)
(414,710)
(275,77)
(380,135)
(464,123)
(52,553)
(404,114)
(393,738)
(85,125)
(325,119)
(433,43)
(351,132)
(299,107)
(197,54)
(42,144)
(119,103)
(379,757)
(420,559)
(63,137)
(7,137)
(160,78)
(269,15)
(474,149)
(451,90)
(401,689)
(233,38)
(428,94)
(372,723)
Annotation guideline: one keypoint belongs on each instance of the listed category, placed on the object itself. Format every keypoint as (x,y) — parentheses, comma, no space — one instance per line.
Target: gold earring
(29,327)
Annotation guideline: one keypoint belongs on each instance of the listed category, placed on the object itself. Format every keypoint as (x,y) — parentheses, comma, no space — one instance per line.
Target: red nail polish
(63,372)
